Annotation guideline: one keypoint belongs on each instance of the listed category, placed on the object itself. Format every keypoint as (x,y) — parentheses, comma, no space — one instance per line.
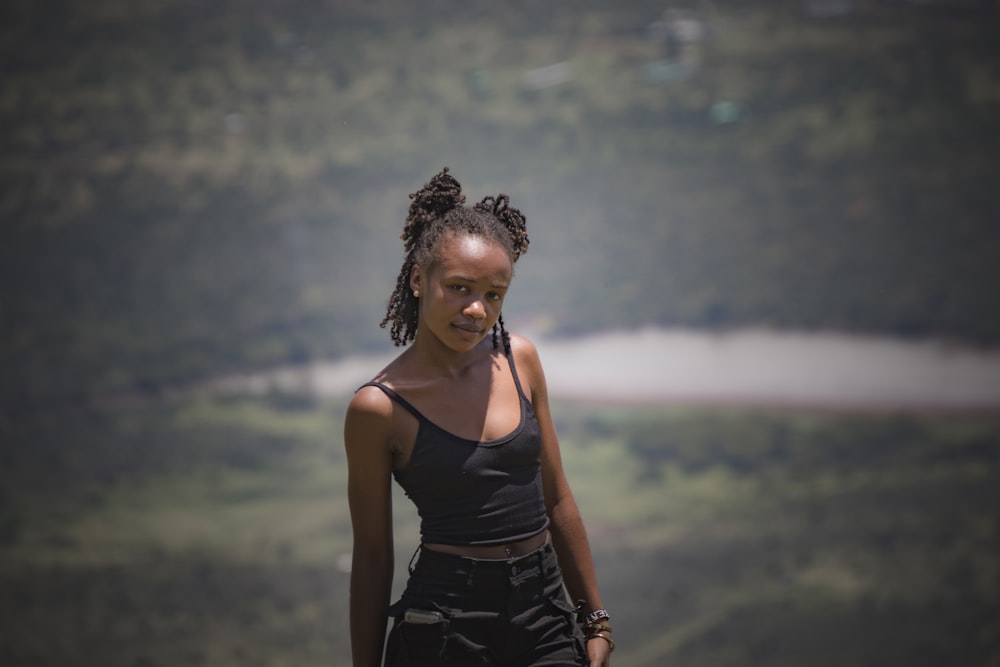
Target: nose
(475,310)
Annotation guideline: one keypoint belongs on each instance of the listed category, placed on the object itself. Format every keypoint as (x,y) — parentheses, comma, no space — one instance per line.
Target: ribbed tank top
(475,492)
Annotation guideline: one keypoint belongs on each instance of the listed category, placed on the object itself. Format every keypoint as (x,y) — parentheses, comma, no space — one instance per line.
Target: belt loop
(543,556)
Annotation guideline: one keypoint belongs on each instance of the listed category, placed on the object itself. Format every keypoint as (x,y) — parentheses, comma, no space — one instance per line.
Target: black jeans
(462,611)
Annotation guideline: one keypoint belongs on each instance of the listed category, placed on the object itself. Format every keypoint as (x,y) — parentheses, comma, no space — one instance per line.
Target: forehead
(473,256)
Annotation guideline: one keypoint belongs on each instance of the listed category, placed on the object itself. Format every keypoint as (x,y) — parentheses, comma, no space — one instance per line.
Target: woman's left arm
(569,537)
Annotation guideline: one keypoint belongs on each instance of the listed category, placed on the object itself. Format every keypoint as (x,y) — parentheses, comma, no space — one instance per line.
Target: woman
(461,420)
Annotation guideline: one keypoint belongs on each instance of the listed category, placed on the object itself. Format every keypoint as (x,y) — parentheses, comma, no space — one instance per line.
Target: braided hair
(437,209)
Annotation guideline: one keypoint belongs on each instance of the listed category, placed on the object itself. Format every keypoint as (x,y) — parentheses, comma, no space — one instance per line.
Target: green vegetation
(209,531)
(193,189)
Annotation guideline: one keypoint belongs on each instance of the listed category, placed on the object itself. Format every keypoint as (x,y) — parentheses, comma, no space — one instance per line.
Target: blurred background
(197,198)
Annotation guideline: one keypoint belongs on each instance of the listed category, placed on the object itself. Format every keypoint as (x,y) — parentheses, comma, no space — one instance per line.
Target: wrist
(597,616)
(604,636)
(595,626)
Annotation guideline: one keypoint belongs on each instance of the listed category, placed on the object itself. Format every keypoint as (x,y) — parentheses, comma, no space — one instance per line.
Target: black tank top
(472,492)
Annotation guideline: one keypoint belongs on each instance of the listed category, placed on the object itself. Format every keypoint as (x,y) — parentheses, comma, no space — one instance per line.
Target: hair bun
(438,196)
(512,219)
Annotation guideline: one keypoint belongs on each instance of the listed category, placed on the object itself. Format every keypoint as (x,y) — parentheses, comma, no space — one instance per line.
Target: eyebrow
(472,280)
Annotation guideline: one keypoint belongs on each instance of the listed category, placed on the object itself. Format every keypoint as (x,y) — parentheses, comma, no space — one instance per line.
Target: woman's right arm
(367,439)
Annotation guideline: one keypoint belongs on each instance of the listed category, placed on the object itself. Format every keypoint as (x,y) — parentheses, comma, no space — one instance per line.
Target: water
(744,367)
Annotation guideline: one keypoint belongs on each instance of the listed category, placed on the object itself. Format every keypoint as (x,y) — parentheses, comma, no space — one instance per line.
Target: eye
(493,296)
(461,289)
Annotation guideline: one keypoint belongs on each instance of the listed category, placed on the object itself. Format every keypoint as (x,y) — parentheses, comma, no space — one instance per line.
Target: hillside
(191,189)
(213,532)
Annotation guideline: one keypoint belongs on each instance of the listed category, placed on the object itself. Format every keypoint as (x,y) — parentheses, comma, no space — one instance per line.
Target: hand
(599,651)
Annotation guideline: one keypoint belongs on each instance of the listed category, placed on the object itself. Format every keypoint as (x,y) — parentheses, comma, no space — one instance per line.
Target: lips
(470,329)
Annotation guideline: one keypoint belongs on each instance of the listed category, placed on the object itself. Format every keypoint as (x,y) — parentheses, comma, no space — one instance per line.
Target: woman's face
(462,292)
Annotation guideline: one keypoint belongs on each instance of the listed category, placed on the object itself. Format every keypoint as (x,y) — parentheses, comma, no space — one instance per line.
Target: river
(741,367)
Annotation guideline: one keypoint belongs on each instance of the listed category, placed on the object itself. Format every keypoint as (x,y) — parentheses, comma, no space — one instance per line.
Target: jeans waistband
(427,561)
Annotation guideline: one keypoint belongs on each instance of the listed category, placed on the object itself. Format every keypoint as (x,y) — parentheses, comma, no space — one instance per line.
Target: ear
(416,278)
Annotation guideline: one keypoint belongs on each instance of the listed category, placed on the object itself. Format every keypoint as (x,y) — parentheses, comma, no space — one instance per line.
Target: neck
(444,361)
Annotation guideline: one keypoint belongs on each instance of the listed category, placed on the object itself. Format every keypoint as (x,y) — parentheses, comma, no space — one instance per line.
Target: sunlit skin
(456,378)
(461,294)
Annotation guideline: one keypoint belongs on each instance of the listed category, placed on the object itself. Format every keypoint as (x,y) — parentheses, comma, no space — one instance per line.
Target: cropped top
(475,492)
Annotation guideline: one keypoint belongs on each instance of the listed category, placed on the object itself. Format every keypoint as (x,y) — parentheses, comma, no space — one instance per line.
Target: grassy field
(211,532)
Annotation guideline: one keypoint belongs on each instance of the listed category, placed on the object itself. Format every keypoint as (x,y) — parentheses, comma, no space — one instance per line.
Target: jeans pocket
(418,638)
(557,598)
(559,602)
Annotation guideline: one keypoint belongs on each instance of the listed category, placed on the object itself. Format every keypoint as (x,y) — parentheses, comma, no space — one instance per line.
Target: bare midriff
(493,551)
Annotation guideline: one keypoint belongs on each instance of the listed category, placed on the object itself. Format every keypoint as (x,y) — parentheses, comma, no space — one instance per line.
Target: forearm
(577,564)
(370,590)
(569,537)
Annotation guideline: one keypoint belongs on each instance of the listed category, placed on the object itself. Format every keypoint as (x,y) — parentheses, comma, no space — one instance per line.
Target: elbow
(372,561)
(371,581)
(559,501)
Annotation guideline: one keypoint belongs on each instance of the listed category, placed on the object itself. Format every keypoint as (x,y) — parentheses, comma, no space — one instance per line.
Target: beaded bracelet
(598,615)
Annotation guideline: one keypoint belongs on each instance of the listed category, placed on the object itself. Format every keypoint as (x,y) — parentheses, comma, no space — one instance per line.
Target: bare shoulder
(370,401)
(524,349)
(368,419)
(529,364)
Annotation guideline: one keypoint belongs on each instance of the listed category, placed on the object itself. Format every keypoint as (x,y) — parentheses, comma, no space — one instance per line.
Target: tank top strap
(396,397)
(513,371)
